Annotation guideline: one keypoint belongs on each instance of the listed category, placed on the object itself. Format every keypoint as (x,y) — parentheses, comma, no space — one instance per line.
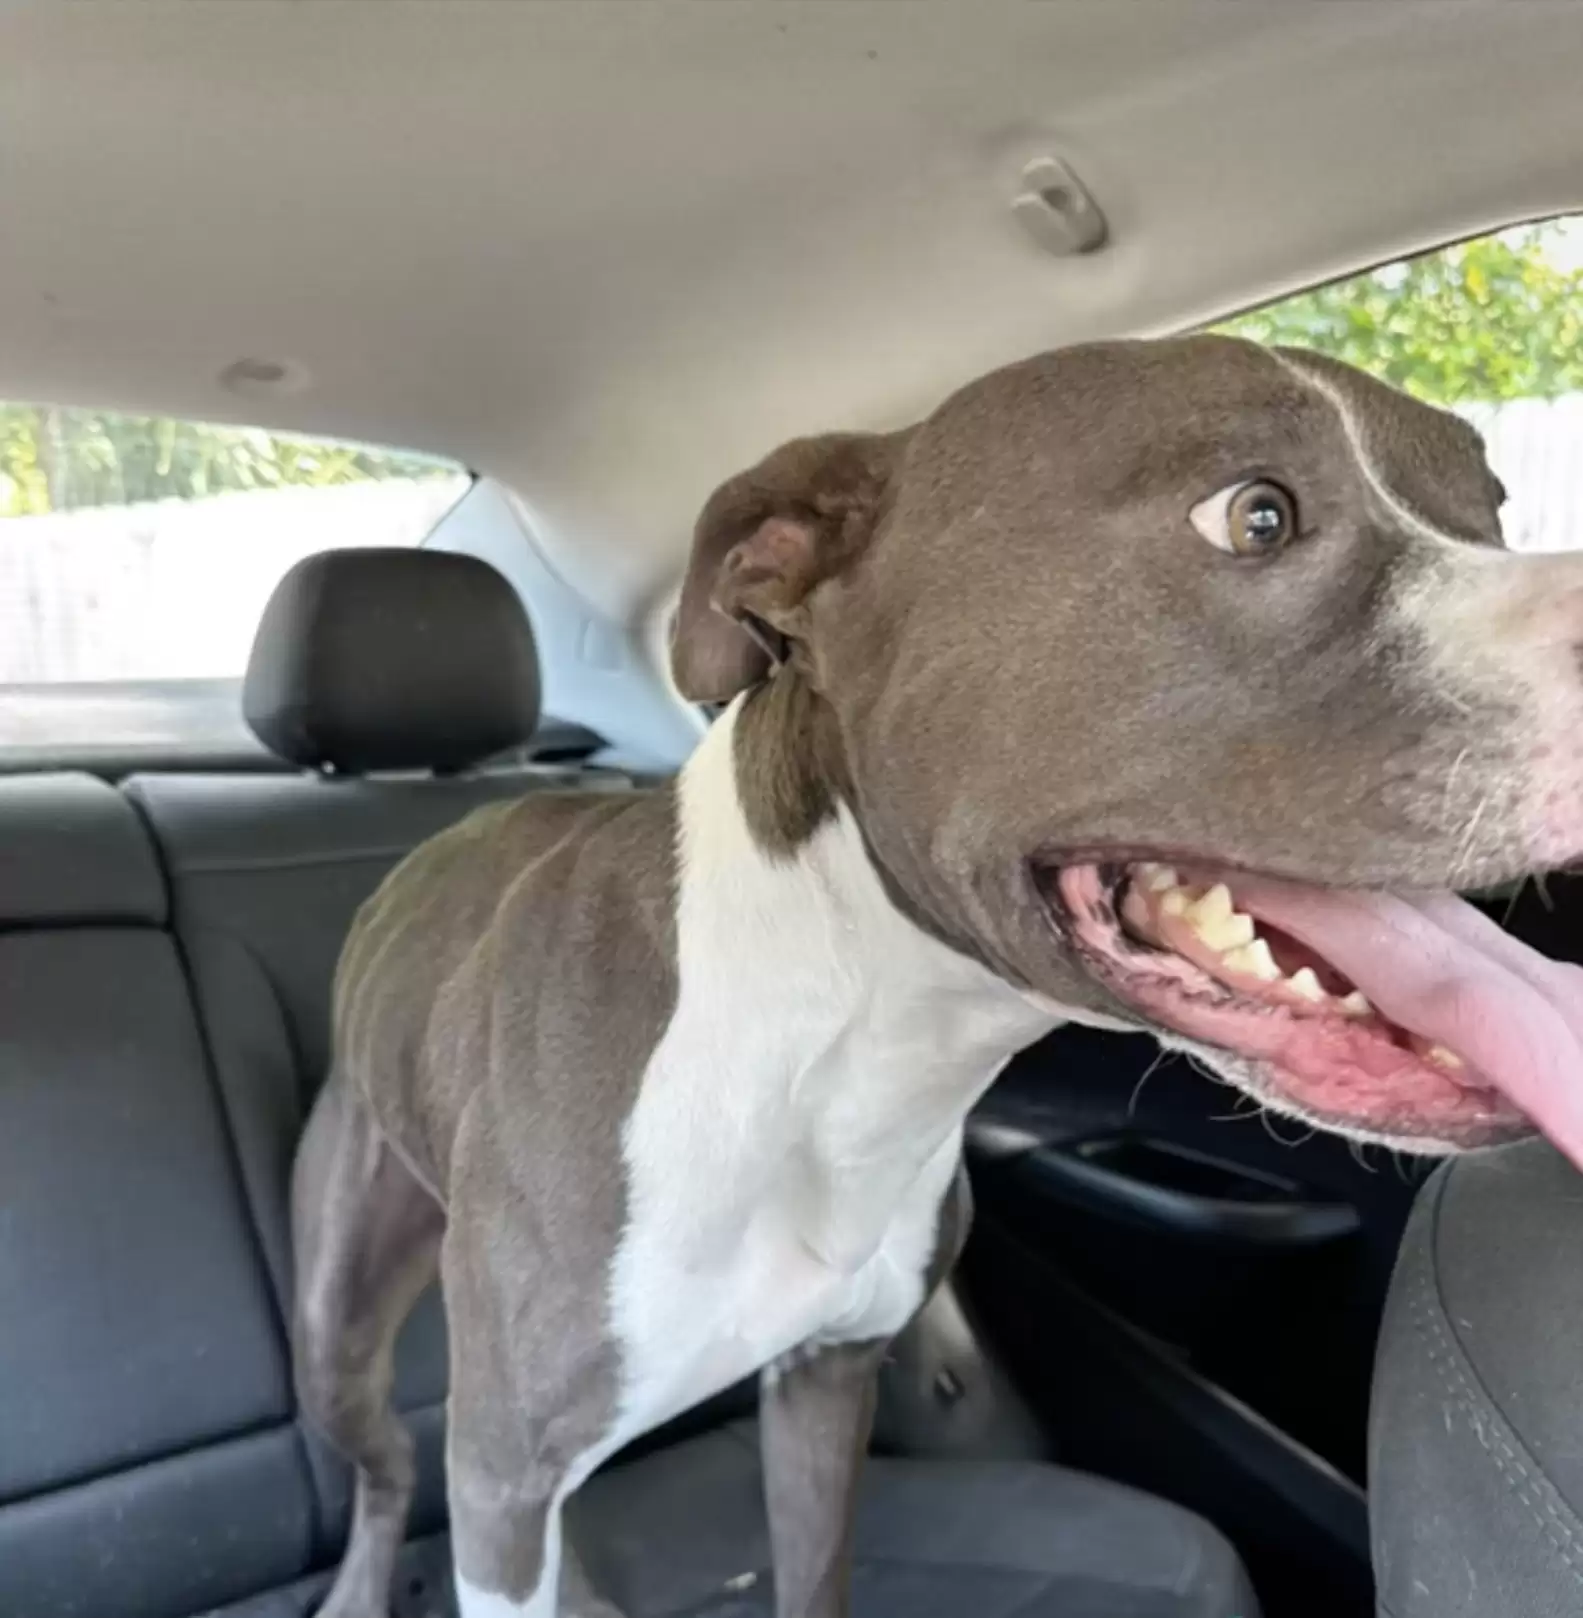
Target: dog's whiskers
(1267,1118)
(1244,1108)
(1202,1068)
(1160,1057)
(1358,1151)
(1451,782)
(1406,1165)
(1463,864)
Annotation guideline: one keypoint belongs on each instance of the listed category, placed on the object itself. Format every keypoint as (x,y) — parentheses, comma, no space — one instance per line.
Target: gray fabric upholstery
(178,1536)
(165,966)
(148,1462)
(71,853)
(684,1532)
(151,1461)
(266,873)
(1476,1450)
(681,1534)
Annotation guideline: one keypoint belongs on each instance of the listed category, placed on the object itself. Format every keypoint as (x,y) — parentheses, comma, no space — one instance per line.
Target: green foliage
(62,460)
(1484,321)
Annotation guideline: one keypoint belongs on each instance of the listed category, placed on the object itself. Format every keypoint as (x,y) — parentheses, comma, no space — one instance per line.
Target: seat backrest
(145,1403)
(372,673)
(266,874)
(167,954)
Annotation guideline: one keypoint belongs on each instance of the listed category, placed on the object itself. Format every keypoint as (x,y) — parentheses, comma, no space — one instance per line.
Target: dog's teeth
(1356,1004)
(1211,907)
(1174,903)
(1158,878)
(1253,960)
(1444,1057)
(1232,933)
(1304,982)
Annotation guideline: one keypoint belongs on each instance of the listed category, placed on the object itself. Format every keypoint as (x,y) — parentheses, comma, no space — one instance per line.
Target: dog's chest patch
(701,1304)
(800,1120)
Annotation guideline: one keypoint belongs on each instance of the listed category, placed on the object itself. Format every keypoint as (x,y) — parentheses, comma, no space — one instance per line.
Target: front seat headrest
(392,660)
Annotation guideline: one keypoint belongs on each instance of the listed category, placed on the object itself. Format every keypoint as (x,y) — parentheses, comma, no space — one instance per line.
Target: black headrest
(392,660)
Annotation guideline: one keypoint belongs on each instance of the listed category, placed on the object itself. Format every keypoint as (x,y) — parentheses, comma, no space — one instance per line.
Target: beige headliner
(609,252)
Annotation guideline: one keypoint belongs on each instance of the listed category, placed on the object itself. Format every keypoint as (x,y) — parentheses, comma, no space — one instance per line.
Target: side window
(137,553)
(1491,328)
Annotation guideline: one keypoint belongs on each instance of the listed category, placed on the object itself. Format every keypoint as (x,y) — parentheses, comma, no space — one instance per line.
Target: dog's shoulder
(544,850)
(529,941)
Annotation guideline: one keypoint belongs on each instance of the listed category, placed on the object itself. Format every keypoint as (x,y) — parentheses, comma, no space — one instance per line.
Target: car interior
(577,263)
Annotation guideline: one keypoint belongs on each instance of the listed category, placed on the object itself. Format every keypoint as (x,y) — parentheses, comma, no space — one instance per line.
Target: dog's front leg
(817,1410)
(528,1418)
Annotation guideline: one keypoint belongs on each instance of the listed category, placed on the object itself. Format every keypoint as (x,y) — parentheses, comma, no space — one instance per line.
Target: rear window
(137,554)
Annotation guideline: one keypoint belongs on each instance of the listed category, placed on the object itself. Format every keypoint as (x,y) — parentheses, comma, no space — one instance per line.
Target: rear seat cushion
(682,1534)
(684,1531)
(144,1390)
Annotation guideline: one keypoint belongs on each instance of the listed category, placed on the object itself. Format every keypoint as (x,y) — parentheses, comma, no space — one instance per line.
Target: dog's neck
(839,1031)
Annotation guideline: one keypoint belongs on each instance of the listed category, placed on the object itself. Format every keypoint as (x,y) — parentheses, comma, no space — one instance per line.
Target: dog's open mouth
(1408,1018)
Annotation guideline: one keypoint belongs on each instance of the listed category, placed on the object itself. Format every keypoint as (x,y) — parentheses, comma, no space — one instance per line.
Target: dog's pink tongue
(1434,965)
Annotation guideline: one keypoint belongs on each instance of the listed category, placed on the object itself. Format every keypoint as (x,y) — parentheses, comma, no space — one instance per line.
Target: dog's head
(1183,681)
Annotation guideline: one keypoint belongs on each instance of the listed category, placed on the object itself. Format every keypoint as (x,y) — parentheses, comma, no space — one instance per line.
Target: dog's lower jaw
(1292,1033)
(1264,1095)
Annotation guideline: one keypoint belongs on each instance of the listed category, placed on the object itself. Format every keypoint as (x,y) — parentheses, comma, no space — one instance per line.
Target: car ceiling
(610,252)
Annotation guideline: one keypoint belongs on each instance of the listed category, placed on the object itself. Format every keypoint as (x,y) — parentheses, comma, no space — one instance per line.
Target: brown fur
(476,1072)
(993,638)
(764,540)
(791,772)
(1028,647)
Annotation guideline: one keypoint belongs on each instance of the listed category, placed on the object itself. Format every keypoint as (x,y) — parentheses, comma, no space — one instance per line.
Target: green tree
(1480,322)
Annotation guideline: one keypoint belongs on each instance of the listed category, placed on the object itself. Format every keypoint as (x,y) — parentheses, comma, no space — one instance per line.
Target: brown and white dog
(1171,685)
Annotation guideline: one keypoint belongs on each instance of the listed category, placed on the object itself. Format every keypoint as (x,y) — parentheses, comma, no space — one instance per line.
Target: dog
(1166,685)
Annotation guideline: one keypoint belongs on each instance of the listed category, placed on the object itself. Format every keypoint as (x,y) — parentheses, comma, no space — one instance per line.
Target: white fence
(174,589)
(1536,448)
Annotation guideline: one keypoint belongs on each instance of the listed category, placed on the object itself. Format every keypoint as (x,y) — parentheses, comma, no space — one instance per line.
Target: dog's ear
(763,541)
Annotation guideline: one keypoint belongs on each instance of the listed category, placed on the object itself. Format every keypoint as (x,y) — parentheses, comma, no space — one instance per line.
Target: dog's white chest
(800,1121)
(701,1303)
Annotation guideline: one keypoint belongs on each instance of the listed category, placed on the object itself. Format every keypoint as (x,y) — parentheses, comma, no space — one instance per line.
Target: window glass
(136,548)
(1492,328)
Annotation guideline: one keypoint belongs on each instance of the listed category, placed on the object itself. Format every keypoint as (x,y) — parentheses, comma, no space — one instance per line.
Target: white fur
(815,1076)
(471,1602)
(798,1124)
(542,1600)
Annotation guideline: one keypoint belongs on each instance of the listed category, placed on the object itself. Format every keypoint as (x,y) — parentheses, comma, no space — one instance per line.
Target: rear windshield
(137,554)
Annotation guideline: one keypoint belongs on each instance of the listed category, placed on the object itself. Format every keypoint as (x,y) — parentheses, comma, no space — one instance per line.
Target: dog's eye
(1247,519)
